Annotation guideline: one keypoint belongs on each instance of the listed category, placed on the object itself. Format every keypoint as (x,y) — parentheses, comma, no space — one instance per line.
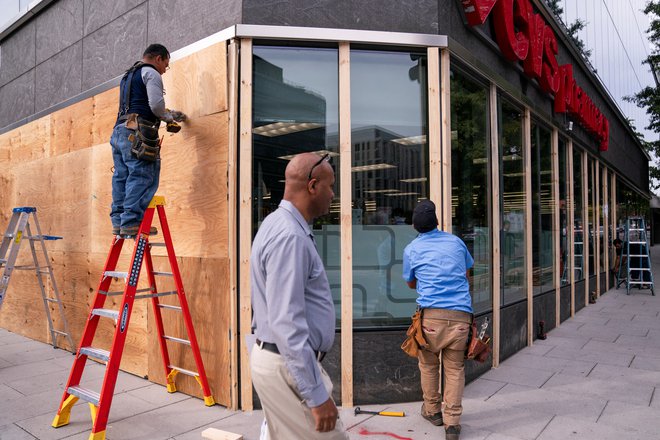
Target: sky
(615,32)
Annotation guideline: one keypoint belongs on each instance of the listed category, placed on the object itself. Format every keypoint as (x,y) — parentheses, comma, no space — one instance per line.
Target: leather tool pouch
(478,349)
(145,144)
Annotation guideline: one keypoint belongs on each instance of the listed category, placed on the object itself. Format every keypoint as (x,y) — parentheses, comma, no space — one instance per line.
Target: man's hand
(178,116)
(325,416)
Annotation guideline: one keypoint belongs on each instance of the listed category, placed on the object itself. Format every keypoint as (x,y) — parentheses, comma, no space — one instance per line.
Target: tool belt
(145,144)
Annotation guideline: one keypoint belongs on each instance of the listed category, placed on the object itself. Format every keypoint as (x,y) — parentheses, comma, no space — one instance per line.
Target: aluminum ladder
(100,402)
(638,262)
(17,230)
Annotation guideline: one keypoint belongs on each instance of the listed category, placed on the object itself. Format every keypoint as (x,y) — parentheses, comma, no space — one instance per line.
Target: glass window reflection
(512,202)
(295,110)
(578,231)
(543,205)
(564,269)
(389,176)
(470,165)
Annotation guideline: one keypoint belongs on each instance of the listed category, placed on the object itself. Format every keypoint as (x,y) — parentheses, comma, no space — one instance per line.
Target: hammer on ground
(380,413)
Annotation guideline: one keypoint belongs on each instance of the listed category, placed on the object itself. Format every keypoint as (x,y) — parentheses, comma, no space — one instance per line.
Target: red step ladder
(100,402)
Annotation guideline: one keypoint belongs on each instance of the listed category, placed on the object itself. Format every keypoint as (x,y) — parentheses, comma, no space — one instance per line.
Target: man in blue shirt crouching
(436,264)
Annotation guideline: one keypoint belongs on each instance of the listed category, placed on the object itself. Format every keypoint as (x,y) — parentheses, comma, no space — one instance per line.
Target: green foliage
(573,28)
(649,97)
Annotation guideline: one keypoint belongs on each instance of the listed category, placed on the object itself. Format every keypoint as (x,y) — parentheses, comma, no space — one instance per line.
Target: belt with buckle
(269,346)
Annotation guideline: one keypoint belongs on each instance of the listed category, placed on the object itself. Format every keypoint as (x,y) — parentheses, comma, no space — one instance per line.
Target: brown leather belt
(269,346)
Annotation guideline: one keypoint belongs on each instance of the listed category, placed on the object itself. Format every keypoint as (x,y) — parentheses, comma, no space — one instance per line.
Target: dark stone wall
(579,295)
(513,329)
(544,310)
(74,45)
(564,303)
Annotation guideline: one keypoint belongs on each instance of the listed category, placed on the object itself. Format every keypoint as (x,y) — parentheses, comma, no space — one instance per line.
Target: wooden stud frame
(571,222)
(606,229)
(613,215)
(555,223)
(444,199)
(232,162)
(596,213)
(527,137)
(585,225)
(496,223)
(245,216)
(346,225)
(435,131)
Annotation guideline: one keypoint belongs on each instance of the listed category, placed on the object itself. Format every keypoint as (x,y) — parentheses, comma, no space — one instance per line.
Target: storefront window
(389,175)
(470,165)
(543,205)
(602,196)
(512,202)
(591,219)
(578,231)
(295,110)
(564,269)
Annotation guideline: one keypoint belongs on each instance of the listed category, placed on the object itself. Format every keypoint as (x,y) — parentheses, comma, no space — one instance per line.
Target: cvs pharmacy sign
(524,36)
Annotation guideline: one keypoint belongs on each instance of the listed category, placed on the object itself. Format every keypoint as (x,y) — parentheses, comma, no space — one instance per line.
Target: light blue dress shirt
(291,297)
(439,261)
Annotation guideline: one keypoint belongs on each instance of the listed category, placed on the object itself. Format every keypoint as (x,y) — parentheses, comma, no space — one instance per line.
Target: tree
(573,29)
(649,96)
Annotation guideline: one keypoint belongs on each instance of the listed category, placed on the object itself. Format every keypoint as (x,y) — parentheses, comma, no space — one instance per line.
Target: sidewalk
(595,377)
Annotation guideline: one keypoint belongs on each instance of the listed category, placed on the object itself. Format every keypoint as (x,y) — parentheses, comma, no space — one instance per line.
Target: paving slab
(592,356)
(567,428)
(518,375)
(628,392)
(550,363)
(13,432)
(632,417)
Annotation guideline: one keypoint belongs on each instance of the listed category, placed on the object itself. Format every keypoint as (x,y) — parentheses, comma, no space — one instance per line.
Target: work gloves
(178,116)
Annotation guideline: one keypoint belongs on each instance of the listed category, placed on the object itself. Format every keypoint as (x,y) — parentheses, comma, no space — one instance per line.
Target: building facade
(485,107)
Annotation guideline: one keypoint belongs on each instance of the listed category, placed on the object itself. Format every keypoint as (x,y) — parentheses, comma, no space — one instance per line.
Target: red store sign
(523,36)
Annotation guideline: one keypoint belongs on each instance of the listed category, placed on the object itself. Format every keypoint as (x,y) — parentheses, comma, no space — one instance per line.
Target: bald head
(311,197)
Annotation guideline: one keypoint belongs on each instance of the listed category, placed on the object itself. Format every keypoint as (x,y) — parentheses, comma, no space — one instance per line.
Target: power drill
(173,127)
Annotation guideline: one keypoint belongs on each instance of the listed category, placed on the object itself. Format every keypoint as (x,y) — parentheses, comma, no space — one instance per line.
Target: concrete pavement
(595,377)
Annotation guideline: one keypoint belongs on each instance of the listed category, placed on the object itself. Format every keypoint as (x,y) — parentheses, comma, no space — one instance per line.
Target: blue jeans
(134,182)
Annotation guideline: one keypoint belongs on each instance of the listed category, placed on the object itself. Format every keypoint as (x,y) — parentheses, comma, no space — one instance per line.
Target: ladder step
(165,274)
(53,300)
(648,283)
(183,370)
(179,340)
(154,295)
(113,274)
(637,242)
(167,306)
(45,237)
(157,244)
(633,256)
(85,394)
(121,292)
(640,268)
(108,313)
(60,333)
(96,353)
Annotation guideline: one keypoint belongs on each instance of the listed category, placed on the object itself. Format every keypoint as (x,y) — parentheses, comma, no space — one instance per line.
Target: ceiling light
(319,153)
(412,140)
(416,179)
(282,128)
(374,167)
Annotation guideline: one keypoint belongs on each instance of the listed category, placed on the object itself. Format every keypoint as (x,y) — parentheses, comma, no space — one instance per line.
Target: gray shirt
(291,297)
(155,92)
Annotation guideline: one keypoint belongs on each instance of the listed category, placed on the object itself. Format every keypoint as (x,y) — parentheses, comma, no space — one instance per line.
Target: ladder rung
(154,295)
(117,293)
(53,300)
(183,370)
(637,242)
(648,283)
(165,274)
(25,267)
(60,332)
(96,353)
(167,306)
(640,268)
(113,274)
(179,340)
(85,394)
(157,244)
(633,256)
(108,313)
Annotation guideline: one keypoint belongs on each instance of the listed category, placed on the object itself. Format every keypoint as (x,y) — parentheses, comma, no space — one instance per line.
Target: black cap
(424,218)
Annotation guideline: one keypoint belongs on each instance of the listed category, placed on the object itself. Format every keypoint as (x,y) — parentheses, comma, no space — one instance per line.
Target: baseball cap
(424,218)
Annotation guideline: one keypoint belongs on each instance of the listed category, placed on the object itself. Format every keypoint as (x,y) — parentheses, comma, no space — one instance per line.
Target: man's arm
(155,92)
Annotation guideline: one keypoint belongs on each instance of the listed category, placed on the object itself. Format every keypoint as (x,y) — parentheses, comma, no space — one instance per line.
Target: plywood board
(206,285)
(104,110)
(28,142)
(197,84)
(71,128)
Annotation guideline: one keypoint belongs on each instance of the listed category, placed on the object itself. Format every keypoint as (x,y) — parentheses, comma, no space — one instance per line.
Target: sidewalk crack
(602,411)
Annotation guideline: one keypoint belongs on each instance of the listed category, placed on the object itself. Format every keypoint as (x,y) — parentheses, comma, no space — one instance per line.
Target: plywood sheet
(197,84)
(104,110)
(71,127)
(207,290)
(194,182)
(28,142)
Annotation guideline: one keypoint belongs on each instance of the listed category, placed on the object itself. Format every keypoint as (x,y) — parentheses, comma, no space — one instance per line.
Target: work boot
(452,432)
(131,231)
(435,419)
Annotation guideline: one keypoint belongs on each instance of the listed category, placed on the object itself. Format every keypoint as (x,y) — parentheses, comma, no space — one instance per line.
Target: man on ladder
(135,142)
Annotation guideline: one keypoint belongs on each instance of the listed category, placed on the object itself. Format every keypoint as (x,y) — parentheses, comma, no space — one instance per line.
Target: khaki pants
(446,332)
(287,414)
